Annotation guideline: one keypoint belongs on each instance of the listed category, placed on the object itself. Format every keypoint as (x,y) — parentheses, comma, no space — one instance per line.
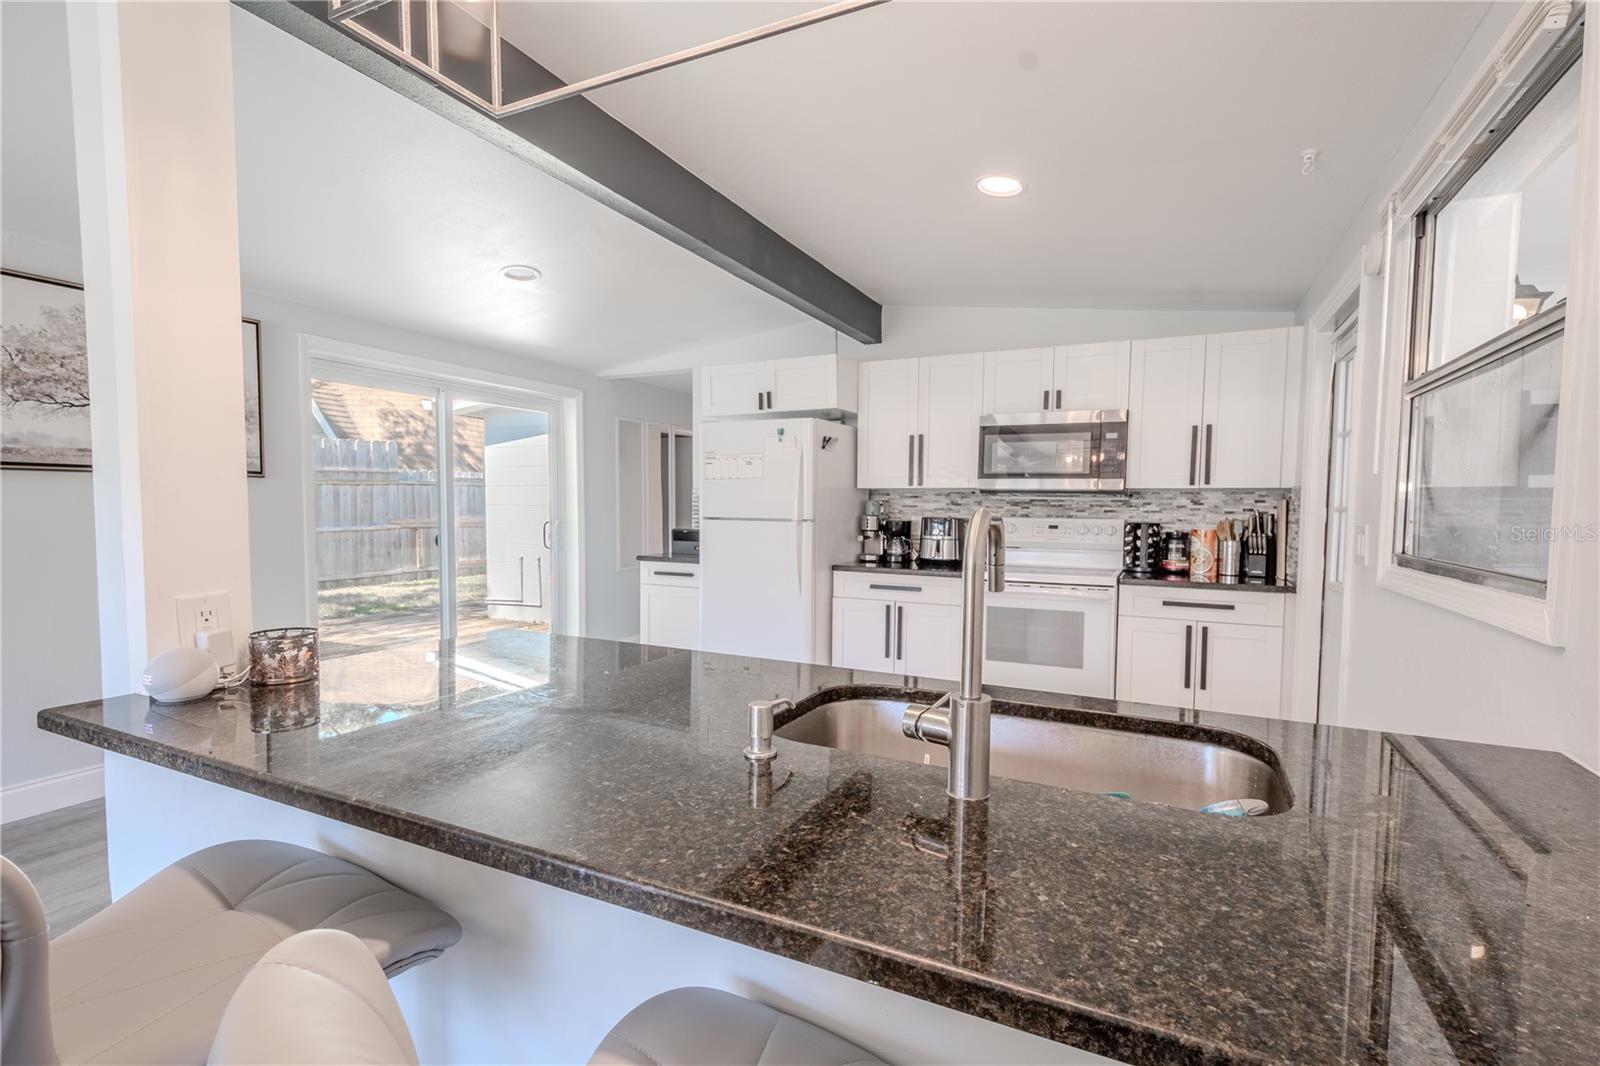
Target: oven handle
(1058,592)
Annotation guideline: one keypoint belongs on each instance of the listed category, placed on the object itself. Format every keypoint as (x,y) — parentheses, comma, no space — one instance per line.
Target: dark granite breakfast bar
(1420,900)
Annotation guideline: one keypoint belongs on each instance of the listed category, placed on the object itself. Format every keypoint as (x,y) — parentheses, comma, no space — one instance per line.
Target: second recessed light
(999,185)
(519,272)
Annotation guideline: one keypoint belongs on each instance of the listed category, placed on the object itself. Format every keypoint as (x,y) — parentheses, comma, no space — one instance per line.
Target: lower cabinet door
(1240,669)
(928,640)
(669,616)
(863,634)
(1155,661)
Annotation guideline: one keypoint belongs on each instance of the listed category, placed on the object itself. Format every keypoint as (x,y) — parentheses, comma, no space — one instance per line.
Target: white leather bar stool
(709,1027)
(340,1003)
(148,978)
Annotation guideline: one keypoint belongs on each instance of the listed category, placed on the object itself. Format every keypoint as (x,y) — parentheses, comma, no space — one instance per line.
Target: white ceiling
(1160,142)
(355,199)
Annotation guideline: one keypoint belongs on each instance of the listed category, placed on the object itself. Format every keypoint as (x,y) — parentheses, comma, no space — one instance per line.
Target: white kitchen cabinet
(897,622)
(1208,412)
(1151,652)
(1241,440)
(928,639)
(1240,668)
(919,423)
(779,386)
(1018,381)
(669,605)
(863,634)
(1092,377)
(727,391)
(1207,649)
(891,416)
(1166,404)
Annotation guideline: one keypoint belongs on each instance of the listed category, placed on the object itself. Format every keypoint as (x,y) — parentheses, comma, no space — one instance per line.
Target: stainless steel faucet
(960,720)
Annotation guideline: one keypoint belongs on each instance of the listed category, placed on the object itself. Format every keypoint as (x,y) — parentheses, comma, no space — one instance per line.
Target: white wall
(1414,667)
(278,515)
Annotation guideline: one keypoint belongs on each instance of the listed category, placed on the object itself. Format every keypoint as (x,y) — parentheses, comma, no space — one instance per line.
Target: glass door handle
(545,535)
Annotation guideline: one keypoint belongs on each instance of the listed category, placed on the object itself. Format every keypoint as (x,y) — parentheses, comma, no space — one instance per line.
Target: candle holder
(283,656)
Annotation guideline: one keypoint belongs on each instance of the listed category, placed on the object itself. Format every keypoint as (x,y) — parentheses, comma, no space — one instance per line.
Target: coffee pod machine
(896,541)
(1141,548)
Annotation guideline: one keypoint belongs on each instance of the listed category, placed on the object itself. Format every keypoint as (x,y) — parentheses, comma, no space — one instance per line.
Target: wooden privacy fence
(379,522)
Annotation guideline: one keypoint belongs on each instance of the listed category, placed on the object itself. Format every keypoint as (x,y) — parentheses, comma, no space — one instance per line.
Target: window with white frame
(1483,390)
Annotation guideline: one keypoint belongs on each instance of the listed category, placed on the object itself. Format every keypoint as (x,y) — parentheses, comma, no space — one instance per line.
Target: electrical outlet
(202,614)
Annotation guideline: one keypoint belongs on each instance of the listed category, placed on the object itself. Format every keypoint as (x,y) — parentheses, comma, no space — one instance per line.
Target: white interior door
(1335,546)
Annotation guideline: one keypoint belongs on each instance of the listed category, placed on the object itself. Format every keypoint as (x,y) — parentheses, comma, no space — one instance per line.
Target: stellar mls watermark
(1580,532)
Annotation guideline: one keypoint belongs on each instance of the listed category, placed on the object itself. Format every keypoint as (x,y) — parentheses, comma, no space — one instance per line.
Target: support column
(152,97)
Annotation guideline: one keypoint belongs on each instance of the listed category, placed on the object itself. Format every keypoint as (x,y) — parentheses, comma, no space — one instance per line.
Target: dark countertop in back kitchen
(690,560)
(1422,900)
(1185,582)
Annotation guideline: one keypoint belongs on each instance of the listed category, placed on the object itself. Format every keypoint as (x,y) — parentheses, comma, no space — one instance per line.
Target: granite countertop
(1422,900)
(913,570)
(687,560)
(1222,586)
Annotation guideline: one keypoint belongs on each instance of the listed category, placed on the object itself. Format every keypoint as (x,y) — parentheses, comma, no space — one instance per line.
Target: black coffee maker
(1141,548)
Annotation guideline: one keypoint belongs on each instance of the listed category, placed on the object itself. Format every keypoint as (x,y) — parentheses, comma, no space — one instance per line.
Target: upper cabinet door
(810,383)
(1241,440)
(1166,407)
(1019,381)
(1093,377)
(739,389)
(887,431)
(951,391)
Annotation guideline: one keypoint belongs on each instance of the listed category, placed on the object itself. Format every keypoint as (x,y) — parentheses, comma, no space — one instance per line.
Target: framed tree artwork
(44,377)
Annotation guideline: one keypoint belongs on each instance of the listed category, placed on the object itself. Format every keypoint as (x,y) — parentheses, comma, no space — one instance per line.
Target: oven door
(1047,451)
(1056,638)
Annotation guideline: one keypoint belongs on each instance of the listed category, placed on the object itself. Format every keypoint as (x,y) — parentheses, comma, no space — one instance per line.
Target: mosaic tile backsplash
(1173,508)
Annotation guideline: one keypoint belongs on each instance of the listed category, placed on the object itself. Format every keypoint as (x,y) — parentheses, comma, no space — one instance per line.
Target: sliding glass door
(436,516)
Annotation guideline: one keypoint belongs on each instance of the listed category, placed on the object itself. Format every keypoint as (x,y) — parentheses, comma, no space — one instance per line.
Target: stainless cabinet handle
(1194,450)
(674,573)
(1046,400)
(1202,606)
(1208,453)
(1188,653)
(911,459)
(888,612)
(1058,399)
(922,453)
(896,588)
(899,632)
(769,399)
(1205,653)
(761,404)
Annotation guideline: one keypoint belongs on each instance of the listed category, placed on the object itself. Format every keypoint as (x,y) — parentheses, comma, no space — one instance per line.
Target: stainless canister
(1228,560)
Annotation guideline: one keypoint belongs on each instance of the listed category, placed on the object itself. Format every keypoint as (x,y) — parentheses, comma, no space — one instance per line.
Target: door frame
(380,368)
(1315,425)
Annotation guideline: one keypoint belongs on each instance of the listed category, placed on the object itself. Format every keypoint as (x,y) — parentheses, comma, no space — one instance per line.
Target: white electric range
(1055,625)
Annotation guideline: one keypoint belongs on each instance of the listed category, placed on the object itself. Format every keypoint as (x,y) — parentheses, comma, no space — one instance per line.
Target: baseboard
(51,793)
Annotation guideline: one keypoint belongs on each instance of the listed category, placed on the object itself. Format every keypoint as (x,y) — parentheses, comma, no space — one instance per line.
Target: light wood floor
(64,854)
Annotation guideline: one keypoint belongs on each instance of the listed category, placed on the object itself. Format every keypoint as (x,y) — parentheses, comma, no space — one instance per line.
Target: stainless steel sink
(1156,769)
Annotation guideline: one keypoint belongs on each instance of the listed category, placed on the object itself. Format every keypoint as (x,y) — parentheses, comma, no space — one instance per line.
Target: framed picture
(44,377)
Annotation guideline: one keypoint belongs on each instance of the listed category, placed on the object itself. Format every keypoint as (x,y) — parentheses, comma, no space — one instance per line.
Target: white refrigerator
(778,507)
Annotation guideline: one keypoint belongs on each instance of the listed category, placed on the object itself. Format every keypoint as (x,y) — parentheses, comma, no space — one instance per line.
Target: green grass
(398,597)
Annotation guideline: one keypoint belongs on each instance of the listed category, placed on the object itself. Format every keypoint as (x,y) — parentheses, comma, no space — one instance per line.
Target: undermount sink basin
(1157,769)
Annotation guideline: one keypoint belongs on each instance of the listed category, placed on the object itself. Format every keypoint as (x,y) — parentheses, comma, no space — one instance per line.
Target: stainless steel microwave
(1053,451)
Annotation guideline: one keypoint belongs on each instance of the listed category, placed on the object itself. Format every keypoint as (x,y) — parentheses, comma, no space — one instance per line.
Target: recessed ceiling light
(520,272)
(999,185)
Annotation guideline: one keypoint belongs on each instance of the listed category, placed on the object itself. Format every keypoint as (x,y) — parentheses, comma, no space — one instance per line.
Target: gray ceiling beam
(577,143)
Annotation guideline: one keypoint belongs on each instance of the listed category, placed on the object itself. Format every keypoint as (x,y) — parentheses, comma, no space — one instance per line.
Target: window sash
(1543,327)
(1555,66)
